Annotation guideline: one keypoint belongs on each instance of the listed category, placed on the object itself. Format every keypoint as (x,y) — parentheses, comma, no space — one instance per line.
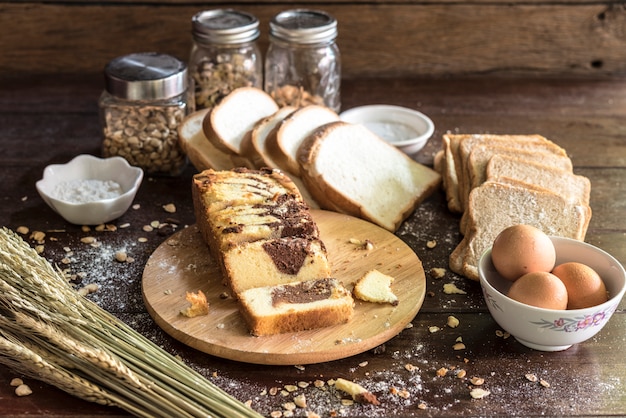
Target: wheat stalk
(49,332)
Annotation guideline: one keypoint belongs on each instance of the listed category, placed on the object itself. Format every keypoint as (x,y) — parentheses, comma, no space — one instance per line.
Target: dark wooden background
(581,38)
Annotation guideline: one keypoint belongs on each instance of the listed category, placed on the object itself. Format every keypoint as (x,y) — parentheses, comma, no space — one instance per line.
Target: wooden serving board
(183,264)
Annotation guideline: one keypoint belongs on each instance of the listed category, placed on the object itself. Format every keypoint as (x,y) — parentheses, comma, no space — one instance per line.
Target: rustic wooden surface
(223,333)
(47,121)
(376,37)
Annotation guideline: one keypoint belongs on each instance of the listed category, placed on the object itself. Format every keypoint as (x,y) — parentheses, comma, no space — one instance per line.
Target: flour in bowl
(83,191)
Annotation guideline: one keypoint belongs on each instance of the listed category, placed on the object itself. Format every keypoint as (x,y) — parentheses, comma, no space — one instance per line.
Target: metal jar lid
(145,76)
(304,26)
(224,26)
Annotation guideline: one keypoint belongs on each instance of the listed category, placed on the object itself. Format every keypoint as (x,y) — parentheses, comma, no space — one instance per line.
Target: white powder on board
(83,191)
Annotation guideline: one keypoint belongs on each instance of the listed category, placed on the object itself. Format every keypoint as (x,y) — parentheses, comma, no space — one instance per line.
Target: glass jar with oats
(144,101)
(303,64)
(224,55)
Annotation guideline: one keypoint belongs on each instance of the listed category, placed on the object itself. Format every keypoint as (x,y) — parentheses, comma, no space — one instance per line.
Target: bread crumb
(375,286)
(450,289)
(437,272)
(199,305)
(478,393)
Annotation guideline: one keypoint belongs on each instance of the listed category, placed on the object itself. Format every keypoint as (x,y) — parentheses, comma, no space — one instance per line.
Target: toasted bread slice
(349,169)
(282,145)
(227,123)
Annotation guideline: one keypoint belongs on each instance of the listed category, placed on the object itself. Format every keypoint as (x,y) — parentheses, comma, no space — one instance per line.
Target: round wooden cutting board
(183,264)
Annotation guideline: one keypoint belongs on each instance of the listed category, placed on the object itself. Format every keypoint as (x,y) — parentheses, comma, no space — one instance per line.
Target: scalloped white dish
(405,128)
(88,167)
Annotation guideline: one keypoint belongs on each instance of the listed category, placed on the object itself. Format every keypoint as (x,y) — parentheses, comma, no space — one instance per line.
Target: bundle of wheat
(51,333)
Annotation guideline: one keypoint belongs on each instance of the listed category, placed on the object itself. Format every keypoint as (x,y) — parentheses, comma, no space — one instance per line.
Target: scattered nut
(431,244)
(88,240)
(477,381)
(453,322)
(121,256)
(169,208)
(531,377)
(16,381)
(23,390)
(88,289)
(458,346)
(22,230)
(478,393)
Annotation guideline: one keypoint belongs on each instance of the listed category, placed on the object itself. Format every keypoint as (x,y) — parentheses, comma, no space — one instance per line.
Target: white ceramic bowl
(407,129)
(551,329)
(88,167)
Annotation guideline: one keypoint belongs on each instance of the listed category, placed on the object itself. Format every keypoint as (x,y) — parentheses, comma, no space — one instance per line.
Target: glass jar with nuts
(303,64)
(144,101)
(224,55)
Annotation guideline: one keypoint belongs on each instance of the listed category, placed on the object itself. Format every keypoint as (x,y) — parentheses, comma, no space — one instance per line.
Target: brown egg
(585,287)
(540,289)
(522,249)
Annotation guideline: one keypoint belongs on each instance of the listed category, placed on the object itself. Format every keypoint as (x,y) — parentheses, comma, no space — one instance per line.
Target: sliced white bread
(494,206)
(202,153)
(254,144)
(282,145)
(456,148)
(227,123)
(563,182)
(349,169)
(523,143)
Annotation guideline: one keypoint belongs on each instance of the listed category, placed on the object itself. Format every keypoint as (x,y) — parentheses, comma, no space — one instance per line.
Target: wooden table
(50,121)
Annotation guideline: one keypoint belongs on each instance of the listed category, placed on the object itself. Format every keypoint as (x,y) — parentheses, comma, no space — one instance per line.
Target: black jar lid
(224,26)
(304,26)
(145,76)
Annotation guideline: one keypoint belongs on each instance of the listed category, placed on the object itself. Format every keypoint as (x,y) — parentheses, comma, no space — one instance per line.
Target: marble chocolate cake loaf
(261,232)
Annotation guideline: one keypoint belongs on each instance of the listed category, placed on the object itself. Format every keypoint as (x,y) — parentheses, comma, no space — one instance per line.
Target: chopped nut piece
(461,374)
(450,288)
(88,289)
(477,381)
(22,230)
(16,381)
(121,256)
(544,383)
(433,329)
(422,405)
(303,385)
(453,322)
(458,346)
(147,228)
(23,390)
(88,240)
(358,392)
(531,377)
(289,406)
(431,244)
(291,388)
(169,208)
(442,372)
(363,364)
(38,236)
(410,367)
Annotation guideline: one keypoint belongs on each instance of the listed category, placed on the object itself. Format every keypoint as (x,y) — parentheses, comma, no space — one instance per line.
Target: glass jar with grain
(144,101)
(224,55)
(303,64)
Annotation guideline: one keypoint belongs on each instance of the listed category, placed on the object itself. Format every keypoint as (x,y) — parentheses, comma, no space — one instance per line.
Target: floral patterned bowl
(550,329)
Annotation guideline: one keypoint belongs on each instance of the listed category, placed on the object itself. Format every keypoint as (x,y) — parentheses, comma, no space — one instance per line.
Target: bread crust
(247,112)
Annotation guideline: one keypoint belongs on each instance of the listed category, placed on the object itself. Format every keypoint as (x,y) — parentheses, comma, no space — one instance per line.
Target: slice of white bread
(202,153)
(227,123)
(254,145)
(375,286)
(561,181)
(296,306)
(494,206)
(456,148)
(282,145)
(349,169)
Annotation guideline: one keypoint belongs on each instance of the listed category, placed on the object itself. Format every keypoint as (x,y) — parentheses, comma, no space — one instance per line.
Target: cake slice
(296,306)
(274,262)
